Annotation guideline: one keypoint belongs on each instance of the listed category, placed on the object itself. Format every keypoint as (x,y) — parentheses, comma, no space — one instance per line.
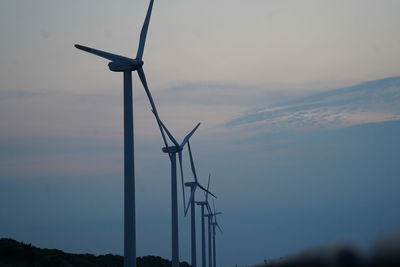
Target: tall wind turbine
(172,151)
(127,65)
(203,236)
(193,186)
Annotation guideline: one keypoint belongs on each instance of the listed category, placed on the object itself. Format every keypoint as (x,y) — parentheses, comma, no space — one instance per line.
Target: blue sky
(295,161)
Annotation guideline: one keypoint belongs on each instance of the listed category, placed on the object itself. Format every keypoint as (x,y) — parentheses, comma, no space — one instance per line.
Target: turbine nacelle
(191,184)
(172,149)
(119,66)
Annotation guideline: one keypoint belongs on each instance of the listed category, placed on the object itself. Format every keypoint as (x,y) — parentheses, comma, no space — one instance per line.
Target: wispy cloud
(374,101)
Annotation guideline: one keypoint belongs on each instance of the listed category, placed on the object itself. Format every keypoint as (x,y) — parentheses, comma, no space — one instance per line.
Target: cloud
(374,101)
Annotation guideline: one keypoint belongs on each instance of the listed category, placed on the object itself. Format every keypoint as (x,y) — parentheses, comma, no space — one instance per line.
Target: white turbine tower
(193,186)
(127,65)
(203,234)
(172,151)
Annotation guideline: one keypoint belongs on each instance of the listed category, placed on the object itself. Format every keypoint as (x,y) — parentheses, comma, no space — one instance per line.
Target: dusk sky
(299,103)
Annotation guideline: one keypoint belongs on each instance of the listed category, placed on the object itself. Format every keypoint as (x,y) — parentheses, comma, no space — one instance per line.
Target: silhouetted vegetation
(17,254)
(385,254)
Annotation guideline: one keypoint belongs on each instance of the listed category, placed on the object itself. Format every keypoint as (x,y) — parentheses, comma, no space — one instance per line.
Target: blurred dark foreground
(386,253)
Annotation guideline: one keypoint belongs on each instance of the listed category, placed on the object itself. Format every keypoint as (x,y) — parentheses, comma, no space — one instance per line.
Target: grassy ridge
(17,254)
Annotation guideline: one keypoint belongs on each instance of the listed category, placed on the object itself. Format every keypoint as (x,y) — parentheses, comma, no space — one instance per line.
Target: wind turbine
(127,65)
(209,217)
(203,237)
(172,151)
(193,186)
(215,224)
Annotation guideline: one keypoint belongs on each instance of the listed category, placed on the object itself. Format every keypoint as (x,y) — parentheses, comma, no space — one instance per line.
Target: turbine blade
(186,139)
(166,130)
(105,55)
(142,77)
(215,218)
(192,163)
(208,208)
(162,133)
(143,33)
(219,228)
(214,206)
(190,201)
(205,190)
(208,186)
(183,182)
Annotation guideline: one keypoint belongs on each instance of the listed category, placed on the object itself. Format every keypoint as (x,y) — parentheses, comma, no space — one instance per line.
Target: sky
(298,100)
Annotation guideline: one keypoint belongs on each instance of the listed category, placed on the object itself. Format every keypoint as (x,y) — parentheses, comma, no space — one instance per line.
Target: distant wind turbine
(215,224)
(203,237)
(193,186)
(172,151)
(127,65)
(210,216)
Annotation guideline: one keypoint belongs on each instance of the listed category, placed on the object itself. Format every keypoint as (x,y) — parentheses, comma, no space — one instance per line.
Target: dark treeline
(17,254)
(384,254)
